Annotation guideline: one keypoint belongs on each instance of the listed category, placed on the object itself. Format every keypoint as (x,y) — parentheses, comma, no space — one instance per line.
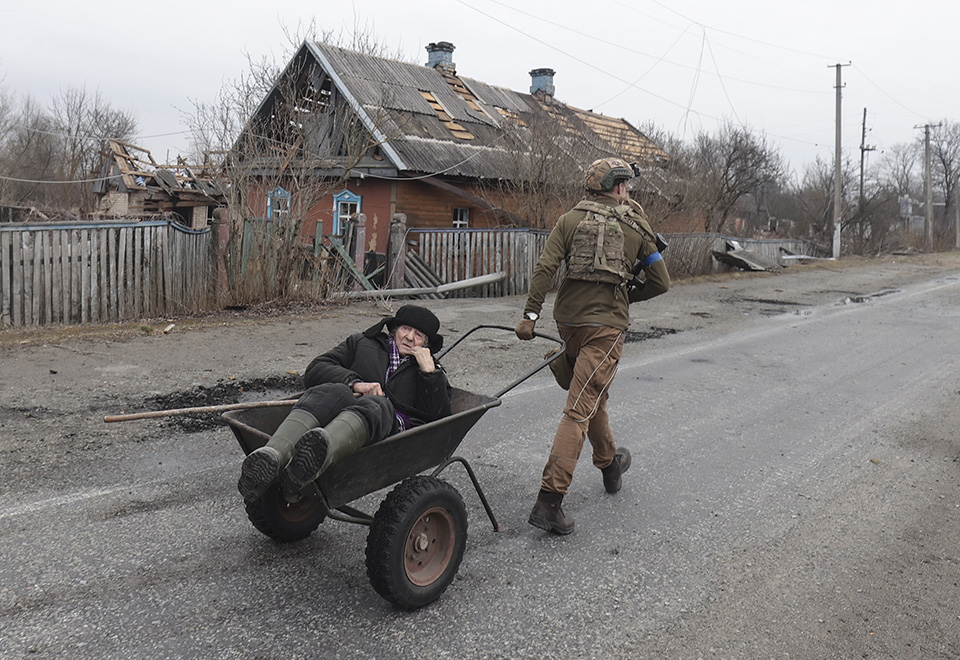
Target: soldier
(600,239)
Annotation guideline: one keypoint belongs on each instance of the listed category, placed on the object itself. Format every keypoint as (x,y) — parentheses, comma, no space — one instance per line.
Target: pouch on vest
(596,251)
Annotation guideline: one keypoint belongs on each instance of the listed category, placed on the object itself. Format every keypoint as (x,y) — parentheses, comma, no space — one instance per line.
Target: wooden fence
(107,272)
(94,273)
(458,254)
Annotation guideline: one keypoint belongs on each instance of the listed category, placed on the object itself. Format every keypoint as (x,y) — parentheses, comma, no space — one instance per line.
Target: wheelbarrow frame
(381,464)
(396,457)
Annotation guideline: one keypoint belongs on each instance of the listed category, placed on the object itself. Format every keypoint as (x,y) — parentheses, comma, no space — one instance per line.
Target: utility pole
(837,175)
(863,150)
(927,190)
(956,211)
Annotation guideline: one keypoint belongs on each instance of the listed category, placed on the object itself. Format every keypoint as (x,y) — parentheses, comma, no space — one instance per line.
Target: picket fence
(105,272)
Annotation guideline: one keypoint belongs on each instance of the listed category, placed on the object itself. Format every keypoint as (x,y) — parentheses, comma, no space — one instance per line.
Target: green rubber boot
(262,466)
(319,448)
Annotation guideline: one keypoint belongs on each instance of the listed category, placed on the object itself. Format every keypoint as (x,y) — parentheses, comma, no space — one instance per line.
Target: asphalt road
(795,493)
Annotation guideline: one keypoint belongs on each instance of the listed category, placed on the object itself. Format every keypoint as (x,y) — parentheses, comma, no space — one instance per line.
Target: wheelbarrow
(418,535)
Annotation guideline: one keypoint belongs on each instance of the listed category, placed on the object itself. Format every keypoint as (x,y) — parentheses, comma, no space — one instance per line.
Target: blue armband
(652,259)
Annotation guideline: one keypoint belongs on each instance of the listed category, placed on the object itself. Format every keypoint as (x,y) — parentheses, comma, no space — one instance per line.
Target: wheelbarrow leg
(476,485)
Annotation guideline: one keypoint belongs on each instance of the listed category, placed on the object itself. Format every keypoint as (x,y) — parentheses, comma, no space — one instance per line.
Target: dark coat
(365,356)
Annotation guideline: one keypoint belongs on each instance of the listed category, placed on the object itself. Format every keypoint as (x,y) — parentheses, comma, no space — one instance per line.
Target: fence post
(398,251)
(221,239)
(360,239)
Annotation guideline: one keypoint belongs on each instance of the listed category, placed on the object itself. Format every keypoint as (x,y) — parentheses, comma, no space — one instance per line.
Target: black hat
(423,320)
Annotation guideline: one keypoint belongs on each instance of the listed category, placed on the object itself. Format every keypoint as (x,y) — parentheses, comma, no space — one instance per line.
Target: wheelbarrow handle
(528,373)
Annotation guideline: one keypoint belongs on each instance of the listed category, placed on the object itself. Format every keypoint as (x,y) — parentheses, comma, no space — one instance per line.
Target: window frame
(344,197)
(279,202)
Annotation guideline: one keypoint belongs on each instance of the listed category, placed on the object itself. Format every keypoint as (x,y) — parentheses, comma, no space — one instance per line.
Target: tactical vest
(596,251)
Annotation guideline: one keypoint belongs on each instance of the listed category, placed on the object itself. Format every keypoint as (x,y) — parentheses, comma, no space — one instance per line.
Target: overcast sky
(683,65)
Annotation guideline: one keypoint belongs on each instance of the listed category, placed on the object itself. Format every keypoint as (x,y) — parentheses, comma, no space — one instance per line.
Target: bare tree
(898,169)
(47,156)
(815,198)
(872,224)
(945,151)
(542,175)
(732,164)
(83,123)
(28,156)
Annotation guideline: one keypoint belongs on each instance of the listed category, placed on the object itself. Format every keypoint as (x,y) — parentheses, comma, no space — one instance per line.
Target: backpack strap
(621,212)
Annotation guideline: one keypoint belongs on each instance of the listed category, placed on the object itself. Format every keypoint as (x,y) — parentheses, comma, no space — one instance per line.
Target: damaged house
(342,133)
(132,184)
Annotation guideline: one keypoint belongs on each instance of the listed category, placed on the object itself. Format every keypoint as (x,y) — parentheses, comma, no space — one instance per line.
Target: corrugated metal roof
(439,123)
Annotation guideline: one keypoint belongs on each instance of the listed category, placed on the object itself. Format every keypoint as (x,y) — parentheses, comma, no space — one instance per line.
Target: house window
(461,218)
(278,204)
(345,206)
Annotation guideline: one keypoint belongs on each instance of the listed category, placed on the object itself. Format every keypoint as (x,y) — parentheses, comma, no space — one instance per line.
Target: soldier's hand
(524,329)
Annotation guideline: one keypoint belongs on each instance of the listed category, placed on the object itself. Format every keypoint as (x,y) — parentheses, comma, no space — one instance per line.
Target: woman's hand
(424,358)
(368,389)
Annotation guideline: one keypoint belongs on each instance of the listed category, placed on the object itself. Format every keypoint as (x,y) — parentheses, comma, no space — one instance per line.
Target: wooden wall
(427,206)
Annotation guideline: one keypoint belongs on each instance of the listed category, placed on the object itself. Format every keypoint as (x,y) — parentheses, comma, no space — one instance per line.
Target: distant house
(445,150)
(132,184)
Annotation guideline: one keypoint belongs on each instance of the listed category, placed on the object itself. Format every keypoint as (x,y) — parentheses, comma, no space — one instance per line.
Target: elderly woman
(372,385)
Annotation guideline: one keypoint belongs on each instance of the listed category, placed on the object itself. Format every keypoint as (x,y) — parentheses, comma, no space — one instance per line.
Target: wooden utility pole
(837,170)
(863,150)
(927,190)
(956,211)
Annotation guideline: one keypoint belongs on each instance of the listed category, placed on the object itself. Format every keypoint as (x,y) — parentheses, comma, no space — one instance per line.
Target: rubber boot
(548,514)
(262,466)
(612,473)
(319,448)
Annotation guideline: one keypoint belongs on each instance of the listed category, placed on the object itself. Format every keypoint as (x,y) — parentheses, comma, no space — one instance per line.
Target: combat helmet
(605,173)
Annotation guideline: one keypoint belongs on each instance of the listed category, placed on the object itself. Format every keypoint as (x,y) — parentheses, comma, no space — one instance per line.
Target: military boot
(319,448)
(612,473)
(262,466)
(548,514)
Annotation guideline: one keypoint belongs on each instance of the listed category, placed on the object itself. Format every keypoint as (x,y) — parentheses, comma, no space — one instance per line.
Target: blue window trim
(343,196)
(277,193)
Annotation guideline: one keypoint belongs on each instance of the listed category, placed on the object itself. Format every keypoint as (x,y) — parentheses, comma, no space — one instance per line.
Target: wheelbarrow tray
(383,463)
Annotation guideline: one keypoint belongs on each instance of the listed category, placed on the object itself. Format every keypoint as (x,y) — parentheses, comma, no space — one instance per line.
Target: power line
(884,92)
(92,138)
(103,178)
(606,40)
(573,57)
(740,36)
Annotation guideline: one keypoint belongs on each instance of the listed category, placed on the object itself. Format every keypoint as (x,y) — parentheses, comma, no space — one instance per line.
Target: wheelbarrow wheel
(416,542)
(283,516)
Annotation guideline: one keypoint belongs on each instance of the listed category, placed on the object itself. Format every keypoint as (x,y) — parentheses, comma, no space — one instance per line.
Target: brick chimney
(440,56)
(541,80)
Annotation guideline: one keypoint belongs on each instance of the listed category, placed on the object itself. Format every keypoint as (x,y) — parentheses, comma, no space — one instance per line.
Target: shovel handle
(199,409)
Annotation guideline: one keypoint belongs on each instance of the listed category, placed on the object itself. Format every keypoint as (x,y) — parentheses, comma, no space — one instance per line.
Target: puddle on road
(867,297)
(631,336)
